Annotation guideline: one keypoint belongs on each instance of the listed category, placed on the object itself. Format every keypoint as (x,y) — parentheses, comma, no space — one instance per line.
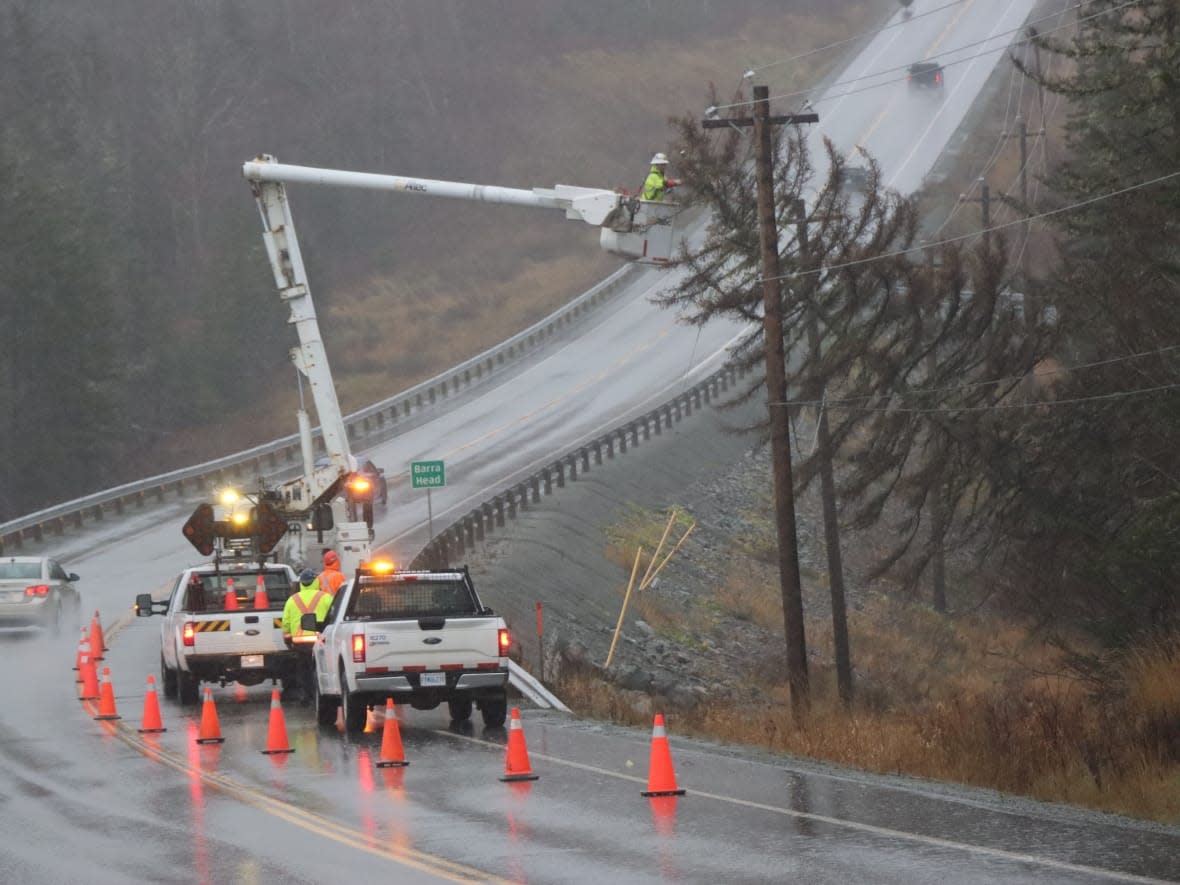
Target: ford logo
(251,632)
(432,640)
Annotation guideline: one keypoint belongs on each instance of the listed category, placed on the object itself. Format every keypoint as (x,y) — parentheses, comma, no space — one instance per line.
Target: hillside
(133,237)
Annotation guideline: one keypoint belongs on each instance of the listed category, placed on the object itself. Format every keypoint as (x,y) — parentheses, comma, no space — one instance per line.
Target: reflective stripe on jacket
(330,580)
(310,598)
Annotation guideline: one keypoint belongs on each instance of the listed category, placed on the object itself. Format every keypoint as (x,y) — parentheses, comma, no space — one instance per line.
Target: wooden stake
(659,547)
(647,581)
(619,626)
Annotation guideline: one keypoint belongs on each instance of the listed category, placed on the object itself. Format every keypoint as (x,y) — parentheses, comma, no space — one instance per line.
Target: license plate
(251,661)
(433,679)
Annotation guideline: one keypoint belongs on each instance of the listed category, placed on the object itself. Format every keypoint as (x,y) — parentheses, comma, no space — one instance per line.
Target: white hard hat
(659,159)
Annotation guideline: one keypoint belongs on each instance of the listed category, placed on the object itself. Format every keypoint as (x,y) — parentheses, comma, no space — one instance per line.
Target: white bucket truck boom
(324,499)
(630,226)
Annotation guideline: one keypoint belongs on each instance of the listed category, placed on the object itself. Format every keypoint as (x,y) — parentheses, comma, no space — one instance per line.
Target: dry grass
(971,699)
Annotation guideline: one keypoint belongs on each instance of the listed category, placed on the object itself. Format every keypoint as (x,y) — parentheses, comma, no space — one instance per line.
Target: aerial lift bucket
(642,229)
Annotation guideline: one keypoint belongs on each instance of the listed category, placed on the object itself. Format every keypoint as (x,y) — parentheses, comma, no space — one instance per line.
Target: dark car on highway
(36,592)
(925,74)
(375,475)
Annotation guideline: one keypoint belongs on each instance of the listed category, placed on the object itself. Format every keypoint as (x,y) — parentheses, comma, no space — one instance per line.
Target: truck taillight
(505,641)
(187,633)
(358,648)
(37,590)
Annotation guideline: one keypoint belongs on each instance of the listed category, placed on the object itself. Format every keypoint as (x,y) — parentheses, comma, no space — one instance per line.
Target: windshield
(23,571)
(393,600)
(209,595)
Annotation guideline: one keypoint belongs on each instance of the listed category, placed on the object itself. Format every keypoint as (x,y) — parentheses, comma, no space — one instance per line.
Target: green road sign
(427,475)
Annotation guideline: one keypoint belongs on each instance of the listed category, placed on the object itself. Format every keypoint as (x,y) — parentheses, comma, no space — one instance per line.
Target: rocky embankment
(688,638)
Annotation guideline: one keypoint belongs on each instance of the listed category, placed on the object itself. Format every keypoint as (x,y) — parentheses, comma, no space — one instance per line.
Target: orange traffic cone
(231,596)
(210,732)
(152,724)
(83,640)
(97,643)
(83,650)
(392,753)
(106,697)
(516,762)
(661,779)
(88,670)
(260,599)
(276,734)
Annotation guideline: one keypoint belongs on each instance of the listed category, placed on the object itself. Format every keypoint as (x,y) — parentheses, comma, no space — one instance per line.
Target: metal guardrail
(452,542)
(370,423)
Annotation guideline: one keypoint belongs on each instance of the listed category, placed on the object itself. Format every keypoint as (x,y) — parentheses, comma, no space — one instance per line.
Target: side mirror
(143,605)
(308,622)
(73,576)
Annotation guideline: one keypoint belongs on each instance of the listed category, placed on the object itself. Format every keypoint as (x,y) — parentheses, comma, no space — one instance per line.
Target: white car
(37,593)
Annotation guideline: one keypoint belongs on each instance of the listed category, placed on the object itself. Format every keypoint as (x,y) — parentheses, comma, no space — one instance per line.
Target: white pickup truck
(207,637)
(419,637)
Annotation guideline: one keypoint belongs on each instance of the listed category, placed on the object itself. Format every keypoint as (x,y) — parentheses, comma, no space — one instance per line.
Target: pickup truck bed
(207,638)
(420,638)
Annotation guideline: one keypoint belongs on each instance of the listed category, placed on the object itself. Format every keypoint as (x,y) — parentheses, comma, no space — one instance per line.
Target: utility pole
(840,641)
(985,200)
(937,504)
(776,392)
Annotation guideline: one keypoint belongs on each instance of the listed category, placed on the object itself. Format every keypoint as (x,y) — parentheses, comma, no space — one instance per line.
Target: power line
(786,61)
(849,405)
(995,227)
(1010,379)
(854,80)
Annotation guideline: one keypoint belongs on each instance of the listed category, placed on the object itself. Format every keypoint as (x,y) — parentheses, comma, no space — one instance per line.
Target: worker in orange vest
(331,577)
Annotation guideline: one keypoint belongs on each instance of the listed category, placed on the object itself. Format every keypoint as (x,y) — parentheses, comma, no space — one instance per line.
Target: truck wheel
(167,679)
(460,708)
(326,706)
(188,688)
(355,713)
(494,711)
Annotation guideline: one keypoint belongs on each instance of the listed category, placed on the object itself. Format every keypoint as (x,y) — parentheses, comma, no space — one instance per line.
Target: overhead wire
(1011,31)
(1012,379)
(995,227)
(754,69)
(835,403)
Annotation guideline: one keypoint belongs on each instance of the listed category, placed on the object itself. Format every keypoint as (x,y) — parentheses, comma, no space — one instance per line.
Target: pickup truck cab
(418,637)
(213,631)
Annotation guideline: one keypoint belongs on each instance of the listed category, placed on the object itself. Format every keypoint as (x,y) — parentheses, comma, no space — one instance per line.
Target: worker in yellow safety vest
(658,183)
(308,599)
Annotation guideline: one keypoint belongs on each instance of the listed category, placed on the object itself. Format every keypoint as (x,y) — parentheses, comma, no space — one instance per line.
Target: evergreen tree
(1101,543)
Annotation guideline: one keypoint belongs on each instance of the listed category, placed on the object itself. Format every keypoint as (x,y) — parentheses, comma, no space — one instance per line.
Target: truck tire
(494,710)
(326,706)
(460,707)
(355,713)
(188,688)
(167,679)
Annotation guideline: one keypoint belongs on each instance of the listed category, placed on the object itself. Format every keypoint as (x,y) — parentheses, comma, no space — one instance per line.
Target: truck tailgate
(238,633)
(462,642)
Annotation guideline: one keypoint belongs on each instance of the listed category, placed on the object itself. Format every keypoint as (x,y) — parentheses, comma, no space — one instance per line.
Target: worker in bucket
(658,183)
(307,599)
(331,577)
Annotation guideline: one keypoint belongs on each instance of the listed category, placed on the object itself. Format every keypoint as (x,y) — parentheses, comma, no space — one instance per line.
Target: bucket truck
(330,500)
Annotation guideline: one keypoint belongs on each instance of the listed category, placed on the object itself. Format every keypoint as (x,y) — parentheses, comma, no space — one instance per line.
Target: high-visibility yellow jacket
(656,184)
(309,598)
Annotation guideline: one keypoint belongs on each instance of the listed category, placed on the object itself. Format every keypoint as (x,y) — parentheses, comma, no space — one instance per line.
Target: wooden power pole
(776,392)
